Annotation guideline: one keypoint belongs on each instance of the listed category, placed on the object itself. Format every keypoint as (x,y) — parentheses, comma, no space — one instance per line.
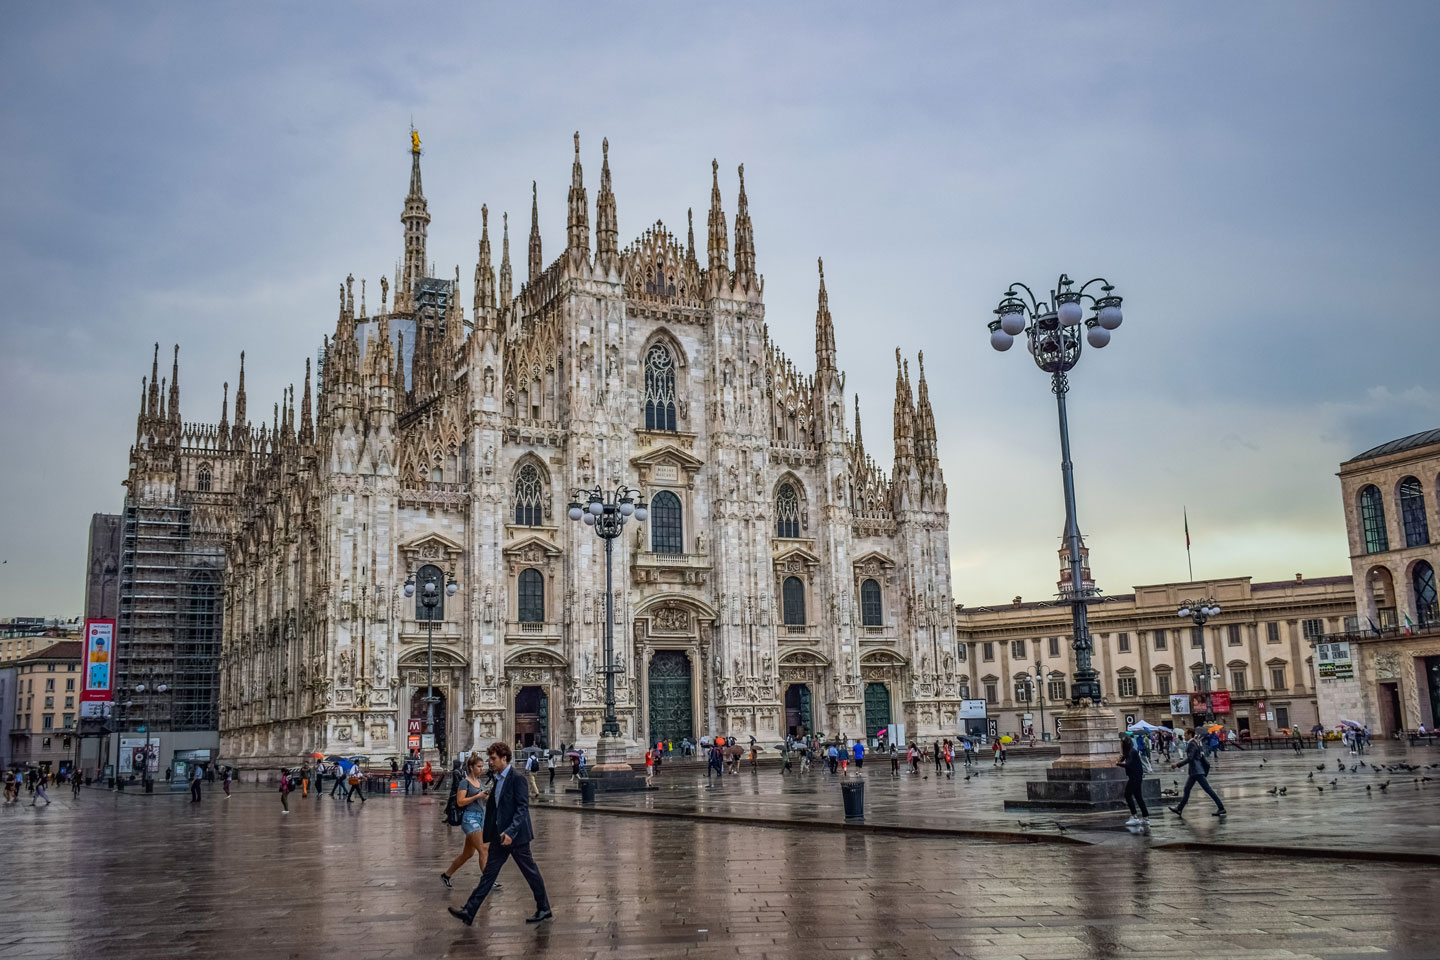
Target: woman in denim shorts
(471,795)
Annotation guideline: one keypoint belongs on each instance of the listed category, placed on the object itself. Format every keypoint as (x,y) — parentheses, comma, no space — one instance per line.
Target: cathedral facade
(783,582)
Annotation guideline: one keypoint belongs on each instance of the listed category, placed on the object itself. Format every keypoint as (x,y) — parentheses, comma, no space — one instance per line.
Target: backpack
(453,813)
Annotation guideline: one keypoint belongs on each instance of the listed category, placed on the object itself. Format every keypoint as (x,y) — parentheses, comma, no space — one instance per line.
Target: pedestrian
(659,759)
(995,753)
(304,779)
(40,793)
(844,757)
(859,755)
(427,777)
(509,833)
(356,780)
(394,766)
(914,756)
(575,766)
(969,751)
(407,773)
(1297,741)
(715,764)
(226,783)
(785,766)
(338,771)
(832,756)
(75,786)
(649,766)
(471,794)
(1199,768)
(1134,765)
(10,786)
(1318,732)
(935,754)
(949,760)
(550,763)
(532,767)
(894,760)
(754,750)
(195,774)
(285,789)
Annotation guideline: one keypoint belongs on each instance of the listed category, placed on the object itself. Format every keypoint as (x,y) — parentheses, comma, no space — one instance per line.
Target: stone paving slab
(112,877)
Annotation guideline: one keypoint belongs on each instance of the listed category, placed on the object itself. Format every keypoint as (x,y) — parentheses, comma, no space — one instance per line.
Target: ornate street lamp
(1200,611)
(1052,332)
(607,514)
(140,688)
(1040,673)
(430,599)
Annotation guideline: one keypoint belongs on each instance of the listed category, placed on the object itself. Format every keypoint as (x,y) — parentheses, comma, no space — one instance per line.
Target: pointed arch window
(426,574)
(659,389)
(793,599)
(787,512)
(1372,520)
(870,603)
(529,497)
(202,479)
(667,525)
(1427,604)
(1412,512)
(532,596)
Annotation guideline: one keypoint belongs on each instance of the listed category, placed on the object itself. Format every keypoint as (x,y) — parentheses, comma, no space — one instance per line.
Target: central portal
(671,699)
(418,711)
(877,709)
(799,713)
(532,717)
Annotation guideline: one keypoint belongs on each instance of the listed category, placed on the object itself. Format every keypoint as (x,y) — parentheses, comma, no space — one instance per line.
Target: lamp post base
(611,772)
(1085,779)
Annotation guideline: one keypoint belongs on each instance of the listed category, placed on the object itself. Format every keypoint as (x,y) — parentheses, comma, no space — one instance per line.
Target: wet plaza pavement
(122,876)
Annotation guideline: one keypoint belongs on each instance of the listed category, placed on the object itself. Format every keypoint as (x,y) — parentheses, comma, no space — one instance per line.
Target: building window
(1277,678)
(1159,639)
(987,651)
(1162,684)
(793,593)
(1055,690)
(1233,633)
(1412,512)
(962,651)
(1237,680)
(1126,686)
(787,512)
(529,497)
(49,703)
(1422,579)
(991,694)
(1312,628)
(69,721)
(47,721)
(1022,689)
(964,690)
(1122,643)
(430,573)
(870,603)
(70,683)
(1272,633)
(1372,520)
(1197,637)
(69,703)
(666,524)
(1017,649)
(659,389)
(1282,717)
(202,480)
(532,596)
(1054,646)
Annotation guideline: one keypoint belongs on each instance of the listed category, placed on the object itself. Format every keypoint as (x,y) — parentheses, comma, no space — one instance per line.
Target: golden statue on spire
(414,140)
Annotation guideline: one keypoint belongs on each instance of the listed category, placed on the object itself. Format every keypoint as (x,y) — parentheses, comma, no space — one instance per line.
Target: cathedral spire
(173,412)
(416,218)
(859,437)
(507,283)
(153,409)
(536,262)
(607,228)
(924,420)
(484,272)
(904,419)
(577,224)
(307,425)
(744,235)
(719,268)
(824,328)
(399,377)
(241,424)
(690,235)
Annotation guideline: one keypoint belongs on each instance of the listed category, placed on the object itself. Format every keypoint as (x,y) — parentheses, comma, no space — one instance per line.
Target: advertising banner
(972,709)
(1332,661)
(1220,702)
(133,751)
(99,660)
(1180,704)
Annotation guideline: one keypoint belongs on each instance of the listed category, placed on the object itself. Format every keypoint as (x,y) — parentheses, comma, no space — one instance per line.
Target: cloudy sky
(1259,181)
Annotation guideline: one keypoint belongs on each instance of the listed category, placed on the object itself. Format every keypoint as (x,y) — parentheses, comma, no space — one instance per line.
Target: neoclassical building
(783,582)
(1385,671)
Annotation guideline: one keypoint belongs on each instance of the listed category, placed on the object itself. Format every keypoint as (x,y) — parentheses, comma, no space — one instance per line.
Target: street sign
(417,725)
(1057,724)
(427,741)
(1129,719)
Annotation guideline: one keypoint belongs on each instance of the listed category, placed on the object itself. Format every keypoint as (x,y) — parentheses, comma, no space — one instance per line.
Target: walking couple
(496,821)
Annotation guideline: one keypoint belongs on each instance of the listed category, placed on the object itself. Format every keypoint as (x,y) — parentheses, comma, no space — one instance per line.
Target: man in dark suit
(508,833)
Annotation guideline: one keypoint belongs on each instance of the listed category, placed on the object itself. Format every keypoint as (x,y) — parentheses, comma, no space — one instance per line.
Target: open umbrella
(882,732)
(573,754)
(1214,727)
(1142,726)
(1007,739)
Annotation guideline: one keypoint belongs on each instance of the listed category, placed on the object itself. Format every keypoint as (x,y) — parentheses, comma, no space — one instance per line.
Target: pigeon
(1309,776)
(1384,785)
(1367,788)
(1273,791)
(1321,789)
(1354,767)
(1333,782)
(1320,766)
(1282,791)
(1340,764)
(1024,825)
(1061,827)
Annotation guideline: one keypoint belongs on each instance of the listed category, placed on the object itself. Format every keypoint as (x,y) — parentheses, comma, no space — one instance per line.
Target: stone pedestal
(1085,779)
(611,773)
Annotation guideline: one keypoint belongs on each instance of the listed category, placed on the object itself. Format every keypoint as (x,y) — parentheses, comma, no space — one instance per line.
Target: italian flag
(1408,625)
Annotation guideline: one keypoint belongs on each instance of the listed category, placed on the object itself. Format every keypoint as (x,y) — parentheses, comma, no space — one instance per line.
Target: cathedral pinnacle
(824,328)
(904,417)
(153,409)
(241,424)
(859,437)
(607,228)
(416,218)
(307,426)
(690,234)
(484,271)
(537,263)
(173,412)
(744,235)
(506,278)
(925,420)
(718,264)
(578,221)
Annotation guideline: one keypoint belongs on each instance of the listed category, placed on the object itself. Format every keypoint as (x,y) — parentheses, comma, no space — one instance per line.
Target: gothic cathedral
(781,583)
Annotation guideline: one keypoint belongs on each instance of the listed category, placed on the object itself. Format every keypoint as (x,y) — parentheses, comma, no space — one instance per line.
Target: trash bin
(587,791)
(853,793)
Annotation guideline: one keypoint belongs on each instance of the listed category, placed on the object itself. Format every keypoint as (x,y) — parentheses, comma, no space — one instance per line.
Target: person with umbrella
(1199,768)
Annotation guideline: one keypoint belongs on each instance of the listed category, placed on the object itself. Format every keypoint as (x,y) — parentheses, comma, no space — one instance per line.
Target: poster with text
(99,660)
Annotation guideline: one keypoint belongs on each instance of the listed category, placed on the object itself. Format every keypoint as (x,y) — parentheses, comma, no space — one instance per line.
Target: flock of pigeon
(1389,770)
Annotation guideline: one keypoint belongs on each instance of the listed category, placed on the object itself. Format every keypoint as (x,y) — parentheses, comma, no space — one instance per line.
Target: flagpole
(1188,562)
